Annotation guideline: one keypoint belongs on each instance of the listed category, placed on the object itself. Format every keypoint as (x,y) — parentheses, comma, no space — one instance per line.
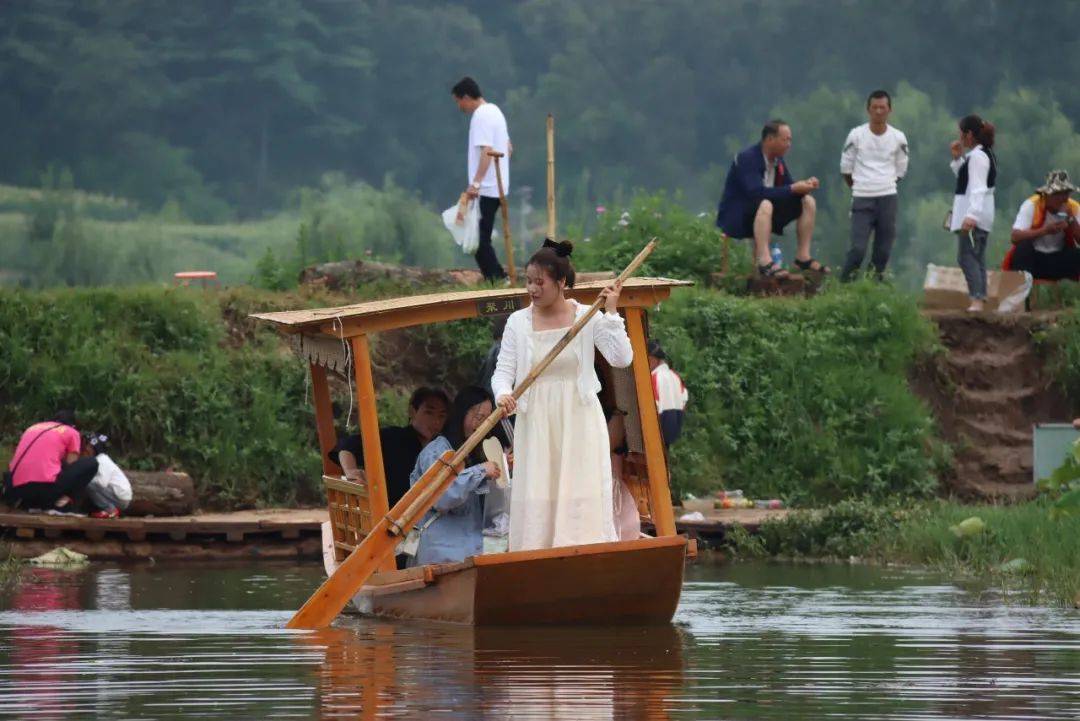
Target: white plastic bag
(466,233)
(1015,300)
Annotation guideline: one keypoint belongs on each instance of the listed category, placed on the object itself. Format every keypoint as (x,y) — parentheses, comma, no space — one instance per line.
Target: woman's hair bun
(562,248)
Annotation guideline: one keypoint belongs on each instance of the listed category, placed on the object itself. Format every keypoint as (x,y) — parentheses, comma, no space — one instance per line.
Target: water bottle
(777,256)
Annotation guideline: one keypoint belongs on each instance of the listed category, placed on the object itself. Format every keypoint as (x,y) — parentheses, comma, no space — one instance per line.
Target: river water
(755,641)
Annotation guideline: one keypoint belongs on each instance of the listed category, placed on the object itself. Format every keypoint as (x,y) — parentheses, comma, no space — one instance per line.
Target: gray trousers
(104,497)
(879,216)
(972,260)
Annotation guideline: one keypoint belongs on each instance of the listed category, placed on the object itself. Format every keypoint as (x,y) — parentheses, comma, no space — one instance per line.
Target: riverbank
(273,533)
(1018,549)
(183,379)
(265,534)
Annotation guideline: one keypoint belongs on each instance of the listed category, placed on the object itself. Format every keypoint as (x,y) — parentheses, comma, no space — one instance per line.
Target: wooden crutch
(505,216)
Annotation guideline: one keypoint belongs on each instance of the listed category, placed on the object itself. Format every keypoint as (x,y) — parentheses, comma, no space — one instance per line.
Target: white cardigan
(604,331)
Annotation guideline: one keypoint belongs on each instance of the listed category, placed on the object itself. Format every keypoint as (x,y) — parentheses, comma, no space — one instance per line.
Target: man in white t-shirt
(874,159)
(1046,230)
(487,131)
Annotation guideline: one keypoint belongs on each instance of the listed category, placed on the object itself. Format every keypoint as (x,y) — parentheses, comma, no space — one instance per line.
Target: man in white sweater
(874,159)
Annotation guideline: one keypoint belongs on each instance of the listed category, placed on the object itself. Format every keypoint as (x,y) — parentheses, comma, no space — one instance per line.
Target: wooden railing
(350,513)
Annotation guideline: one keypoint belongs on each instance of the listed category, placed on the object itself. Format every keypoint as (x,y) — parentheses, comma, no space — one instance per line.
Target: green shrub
(342,220)
(805,400)
(847,528)
(155,371)
(10,565)
(1061,343)
(690,245)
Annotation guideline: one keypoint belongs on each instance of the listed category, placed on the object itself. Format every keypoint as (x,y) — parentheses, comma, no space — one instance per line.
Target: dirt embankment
(987,391)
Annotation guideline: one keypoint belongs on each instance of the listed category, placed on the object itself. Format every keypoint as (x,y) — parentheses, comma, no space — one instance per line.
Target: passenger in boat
(627,519)
(487,367)
(669,392)
(453,529)
(562,481)
(761,197)
(400,444)
(46,472)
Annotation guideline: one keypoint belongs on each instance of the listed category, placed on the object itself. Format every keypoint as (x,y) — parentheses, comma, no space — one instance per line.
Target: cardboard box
(945,288)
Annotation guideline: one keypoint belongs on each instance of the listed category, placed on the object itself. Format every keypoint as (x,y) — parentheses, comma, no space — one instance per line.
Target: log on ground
(160,493)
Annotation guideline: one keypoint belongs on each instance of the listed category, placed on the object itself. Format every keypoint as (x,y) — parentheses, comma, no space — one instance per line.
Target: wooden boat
(629,582)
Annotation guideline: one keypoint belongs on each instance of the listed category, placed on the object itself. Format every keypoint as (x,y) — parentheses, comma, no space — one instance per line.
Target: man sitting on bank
(760,198)
(400,445)
(1046,231)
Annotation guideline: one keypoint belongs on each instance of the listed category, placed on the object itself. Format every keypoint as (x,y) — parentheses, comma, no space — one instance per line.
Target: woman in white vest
(973,203)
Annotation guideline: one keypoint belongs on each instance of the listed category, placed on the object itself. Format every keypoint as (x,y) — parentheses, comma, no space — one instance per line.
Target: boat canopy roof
(390,313)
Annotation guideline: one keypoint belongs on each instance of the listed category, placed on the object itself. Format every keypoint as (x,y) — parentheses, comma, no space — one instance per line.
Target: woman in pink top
(46,471)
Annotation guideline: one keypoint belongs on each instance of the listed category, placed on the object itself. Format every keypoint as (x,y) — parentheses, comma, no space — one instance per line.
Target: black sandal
(772,270)
(809,265)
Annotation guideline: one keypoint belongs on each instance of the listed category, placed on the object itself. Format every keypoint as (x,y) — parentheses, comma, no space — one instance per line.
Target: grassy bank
(1017,549)
(180,378)
(9,565)
(802,399)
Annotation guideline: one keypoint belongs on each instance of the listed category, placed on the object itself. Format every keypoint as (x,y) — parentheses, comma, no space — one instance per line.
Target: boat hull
(628,582)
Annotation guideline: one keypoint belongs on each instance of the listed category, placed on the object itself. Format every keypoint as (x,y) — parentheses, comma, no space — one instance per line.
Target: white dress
(561,493)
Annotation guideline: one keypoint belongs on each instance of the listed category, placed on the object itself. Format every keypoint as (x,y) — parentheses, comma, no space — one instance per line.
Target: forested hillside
(218,111)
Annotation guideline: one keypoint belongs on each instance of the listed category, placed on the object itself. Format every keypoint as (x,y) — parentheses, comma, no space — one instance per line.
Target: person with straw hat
(1045,233)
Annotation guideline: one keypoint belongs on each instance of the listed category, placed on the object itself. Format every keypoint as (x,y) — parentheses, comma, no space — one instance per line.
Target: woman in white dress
(561,487)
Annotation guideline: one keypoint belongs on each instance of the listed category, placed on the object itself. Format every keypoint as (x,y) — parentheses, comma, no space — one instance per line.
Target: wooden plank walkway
(718,521)
(271,532)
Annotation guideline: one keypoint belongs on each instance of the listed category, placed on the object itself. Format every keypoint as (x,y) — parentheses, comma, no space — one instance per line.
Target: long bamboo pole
(330,598)
(504,207)
(551,224)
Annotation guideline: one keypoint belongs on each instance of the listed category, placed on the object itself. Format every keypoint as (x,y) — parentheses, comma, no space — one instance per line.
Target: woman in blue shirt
(453,529)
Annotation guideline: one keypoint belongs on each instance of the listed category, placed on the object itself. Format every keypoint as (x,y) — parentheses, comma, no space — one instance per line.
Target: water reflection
(374,670)
(36,653)
(751,641)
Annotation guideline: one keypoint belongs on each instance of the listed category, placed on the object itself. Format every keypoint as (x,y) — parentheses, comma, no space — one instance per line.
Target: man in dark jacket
(760,198)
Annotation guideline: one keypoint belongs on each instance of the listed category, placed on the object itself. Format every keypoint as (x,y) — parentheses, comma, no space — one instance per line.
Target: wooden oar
(332,596)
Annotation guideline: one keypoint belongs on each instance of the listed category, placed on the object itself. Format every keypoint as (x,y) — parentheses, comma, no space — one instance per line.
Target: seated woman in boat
(562,480)
(627,520)
(400,444)
(453,529)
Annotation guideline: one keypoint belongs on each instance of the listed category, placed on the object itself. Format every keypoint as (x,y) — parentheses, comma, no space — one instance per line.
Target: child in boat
(453,529)
(562,482)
